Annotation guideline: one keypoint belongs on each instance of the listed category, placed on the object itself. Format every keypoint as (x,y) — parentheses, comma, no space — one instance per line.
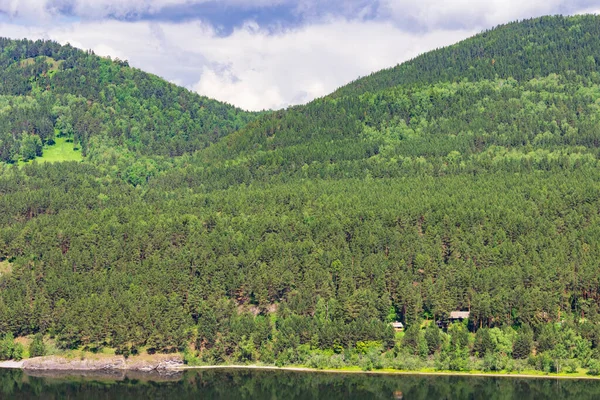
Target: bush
(441,361)
(367,346)
(483,345)
(123,350)
(365,364)
(376,359)
(37,347)
(523,344)
(411,338)
(494,362)
(266,354)
(6,347)
(189,358)
(459,335)
(318,360)
(17,353)
(407,363)
(337,361)
(583,351)
(286,357)
(594,368)
(9,350)
(571,366)
(542,362)
(459,359)
(433,338)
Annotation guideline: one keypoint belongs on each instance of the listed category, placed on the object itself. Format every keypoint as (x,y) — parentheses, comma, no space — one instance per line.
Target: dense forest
(465,179)
(48,90)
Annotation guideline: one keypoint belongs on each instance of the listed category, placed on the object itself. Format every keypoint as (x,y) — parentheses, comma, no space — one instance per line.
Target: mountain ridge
(483,55)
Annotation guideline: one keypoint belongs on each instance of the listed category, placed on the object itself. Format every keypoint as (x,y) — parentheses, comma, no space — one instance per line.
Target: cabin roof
(459,315)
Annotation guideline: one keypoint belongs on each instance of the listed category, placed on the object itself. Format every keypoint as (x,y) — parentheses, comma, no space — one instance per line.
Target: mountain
(466,179)
(439,94)
(49,90)
(520,50)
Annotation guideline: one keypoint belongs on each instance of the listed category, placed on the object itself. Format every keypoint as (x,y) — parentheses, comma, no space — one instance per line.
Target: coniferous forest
(467,179)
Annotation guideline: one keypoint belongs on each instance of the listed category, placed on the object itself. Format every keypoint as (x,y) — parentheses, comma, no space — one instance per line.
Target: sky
(266,54)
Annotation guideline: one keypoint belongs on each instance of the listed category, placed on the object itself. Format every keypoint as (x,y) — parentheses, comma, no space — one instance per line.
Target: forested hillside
(48,90)
(520,50)
(466,179)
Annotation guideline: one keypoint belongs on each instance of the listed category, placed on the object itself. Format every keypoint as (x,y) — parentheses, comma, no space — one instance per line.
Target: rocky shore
(158,362)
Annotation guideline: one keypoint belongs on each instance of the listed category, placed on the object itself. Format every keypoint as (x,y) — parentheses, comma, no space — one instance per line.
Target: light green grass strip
(60,151)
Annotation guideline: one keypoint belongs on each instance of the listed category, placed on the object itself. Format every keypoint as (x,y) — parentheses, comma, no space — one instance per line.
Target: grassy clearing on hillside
(5,267)
(60,151)
(54,65)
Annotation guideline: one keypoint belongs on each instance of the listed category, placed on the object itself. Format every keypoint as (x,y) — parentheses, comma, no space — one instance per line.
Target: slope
(50,90)
(301,235)
(520,50)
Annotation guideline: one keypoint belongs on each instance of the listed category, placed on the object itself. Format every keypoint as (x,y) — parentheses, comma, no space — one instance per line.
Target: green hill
(466,179)
(50,90)
(520,50)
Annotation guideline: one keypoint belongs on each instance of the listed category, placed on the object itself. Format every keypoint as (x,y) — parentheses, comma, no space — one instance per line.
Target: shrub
(544,362)
(459,335)
(583,351)
(459,359)
(17,353)
(494,362)
(365,364)
(376,359)
(433,338)
(6,347)
(441,361)
(189,358)
(367,346)
(483,345)
(37,347)
(408,363)
(318,360)
(336,361)
(286,357)
(594,368)
(571,366)
(266,354)
(523,344)
(411,338)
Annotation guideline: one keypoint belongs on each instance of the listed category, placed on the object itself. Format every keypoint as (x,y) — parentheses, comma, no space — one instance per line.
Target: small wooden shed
(397,326)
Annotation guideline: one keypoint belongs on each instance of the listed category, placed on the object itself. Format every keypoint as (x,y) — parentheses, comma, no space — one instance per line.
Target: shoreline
(169,365)
(392,372)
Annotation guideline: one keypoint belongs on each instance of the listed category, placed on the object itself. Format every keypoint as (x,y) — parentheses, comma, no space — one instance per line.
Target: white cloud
(471,13)
(590,10)
(251,68)
(256,68)
(296,66)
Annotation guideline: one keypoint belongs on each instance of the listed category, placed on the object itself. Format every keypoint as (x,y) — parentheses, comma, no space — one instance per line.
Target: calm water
(269,385)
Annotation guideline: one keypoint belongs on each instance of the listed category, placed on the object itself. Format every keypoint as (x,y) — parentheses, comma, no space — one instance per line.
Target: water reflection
(258,384)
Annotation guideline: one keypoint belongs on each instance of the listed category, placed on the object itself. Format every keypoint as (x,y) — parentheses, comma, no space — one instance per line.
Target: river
(289,385)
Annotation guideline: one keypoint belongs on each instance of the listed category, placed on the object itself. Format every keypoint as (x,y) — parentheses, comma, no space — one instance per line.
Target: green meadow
(61,150)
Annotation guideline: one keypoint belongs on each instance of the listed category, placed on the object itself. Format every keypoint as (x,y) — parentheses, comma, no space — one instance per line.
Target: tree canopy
(466,179)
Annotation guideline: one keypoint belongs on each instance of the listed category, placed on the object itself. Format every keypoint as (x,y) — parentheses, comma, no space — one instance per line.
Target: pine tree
(37,348)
